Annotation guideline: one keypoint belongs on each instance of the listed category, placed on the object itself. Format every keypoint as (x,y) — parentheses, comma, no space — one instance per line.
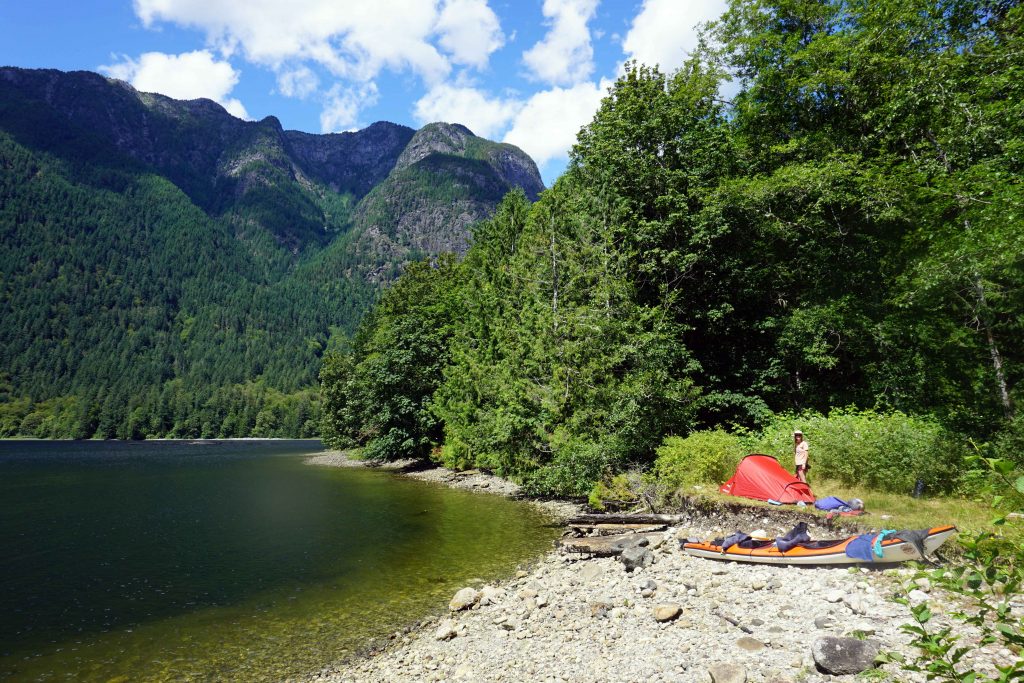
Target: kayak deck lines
(826,552)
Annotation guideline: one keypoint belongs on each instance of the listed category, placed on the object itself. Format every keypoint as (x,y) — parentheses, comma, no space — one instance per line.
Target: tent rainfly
(762,477)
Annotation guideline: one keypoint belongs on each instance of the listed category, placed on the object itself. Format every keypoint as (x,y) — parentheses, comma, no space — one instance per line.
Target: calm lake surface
(226,561)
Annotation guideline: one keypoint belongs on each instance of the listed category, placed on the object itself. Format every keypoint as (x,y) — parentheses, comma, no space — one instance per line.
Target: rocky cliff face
(410,193)
(350,162)
(445,180)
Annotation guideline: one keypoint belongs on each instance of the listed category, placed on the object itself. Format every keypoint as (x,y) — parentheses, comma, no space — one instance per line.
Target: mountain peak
(436,138)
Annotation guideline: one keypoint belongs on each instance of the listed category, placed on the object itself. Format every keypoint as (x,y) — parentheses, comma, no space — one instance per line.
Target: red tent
(763,478)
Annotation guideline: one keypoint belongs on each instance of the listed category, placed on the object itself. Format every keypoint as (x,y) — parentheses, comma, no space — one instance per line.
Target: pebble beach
(573,617)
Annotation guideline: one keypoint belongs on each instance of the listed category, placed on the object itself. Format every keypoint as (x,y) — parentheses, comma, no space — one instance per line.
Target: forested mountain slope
(168,269)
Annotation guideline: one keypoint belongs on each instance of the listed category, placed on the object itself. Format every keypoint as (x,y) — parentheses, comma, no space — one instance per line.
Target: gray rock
(749,644)
(844,656)
(855,603)
(635,557)
(918,596)
(465,598)
(591,571)
(446,630)
(824,622)
(834,595)
(727,673)
(490,595)
(667,612)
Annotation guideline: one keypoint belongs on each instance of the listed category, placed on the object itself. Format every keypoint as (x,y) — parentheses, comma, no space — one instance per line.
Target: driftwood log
(581,520)
(606,546)
(609,529)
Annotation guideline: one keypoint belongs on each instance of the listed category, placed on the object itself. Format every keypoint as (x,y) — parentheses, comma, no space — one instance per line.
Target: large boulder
(844,656)
(636,556)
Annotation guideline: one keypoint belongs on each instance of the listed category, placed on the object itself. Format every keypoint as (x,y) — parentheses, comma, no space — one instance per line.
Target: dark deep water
(228,561)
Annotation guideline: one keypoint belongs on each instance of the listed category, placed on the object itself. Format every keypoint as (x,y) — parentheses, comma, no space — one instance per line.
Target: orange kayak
(892,549)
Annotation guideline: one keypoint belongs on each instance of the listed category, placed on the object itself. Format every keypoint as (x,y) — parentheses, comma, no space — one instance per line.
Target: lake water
(226,561)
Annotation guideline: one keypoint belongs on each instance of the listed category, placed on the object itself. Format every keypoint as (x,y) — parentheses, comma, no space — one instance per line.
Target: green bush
(617,490)
(1009,442)
(574,468)
(883,451)
(456,455)
(706,457)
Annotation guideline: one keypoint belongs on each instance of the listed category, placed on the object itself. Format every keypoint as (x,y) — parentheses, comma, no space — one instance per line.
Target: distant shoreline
(473,480)
(185,440)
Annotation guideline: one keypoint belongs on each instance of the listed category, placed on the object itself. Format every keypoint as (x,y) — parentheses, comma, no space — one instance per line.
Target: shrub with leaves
(705,457)
(883,451)
(630,490)
(989,576)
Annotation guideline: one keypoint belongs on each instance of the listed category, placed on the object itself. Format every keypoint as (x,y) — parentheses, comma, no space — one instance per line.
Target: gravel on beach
(569,618)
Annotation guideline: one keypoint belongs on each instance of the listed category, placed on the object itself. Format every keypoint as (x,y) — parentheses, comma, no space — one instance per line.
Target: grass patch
(892,510)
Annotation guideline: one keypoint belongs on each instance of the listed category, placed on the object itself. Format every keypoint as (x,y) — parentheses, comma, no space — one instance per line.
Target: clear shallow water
(170,561)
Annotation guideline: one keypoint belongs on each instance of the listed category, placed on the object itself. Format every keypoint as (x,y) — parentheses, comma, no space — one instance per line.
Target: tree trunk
(993,349)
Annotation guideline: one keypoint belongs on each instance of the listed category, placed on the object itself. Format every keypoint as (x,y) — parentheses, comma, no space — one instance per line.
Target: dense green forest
(844,233)
(167,270)
(158,324)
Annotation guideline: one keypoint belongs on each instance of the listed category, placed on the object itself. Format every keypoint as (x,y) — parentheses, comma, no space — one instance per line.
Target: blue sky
(528,72)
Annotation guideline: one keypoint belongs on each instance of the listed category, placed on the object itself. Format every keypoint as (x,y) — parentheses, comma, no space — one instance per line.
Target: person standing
(800,455)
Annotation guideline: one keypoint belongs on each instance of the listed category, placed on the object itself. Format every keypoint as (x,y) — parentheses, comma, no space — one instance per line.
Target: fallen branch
(733,622)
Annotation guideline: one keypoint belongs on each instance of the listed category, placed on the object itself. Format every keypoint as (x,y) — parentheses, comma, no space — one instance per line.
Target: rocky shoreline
(472,480)
(572,617)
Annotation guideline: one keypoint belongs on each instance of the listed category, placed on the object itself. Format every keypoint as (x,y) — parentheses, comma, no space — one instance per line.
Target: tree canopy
(845,230)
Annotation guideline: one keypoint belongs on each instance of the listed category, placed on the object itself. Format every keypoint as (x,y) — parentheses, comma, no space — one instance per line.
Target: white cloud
(565,55)
(299,82)
(352,41)
(355,40)
(469,31)
(546,127)
(664,31)
(485,116)
(342,105)
(187,76)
